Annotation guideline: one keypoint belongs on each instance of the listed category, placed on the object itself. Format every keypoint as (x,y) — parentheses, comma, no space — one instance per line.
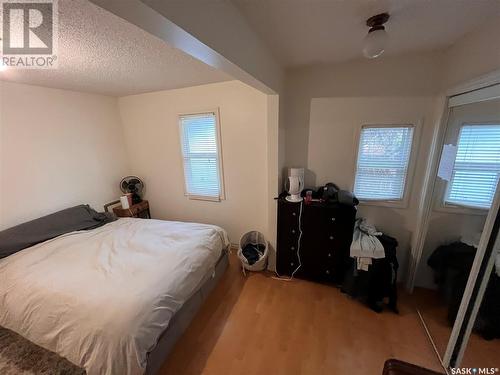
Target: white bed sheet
(101,298)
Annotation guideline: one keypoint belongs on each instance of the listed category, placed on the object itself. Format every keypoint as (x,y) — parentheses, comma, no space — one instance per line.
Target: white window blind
(201,155)
(477,167)
(383,159)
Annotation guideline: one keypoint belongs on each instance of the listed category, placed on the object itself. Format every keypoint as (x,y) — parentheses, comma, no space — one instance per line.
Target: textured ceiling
(304,32)
(101,53)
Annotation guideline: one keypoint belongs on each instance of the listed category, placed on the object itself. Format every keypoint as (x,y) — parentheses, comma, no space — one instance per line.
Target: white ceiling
(304,32)
(101,53)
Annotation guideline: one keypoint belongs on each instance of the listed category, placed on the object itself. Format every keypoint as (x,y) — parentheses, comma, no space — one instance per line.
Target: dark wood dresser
(326,239)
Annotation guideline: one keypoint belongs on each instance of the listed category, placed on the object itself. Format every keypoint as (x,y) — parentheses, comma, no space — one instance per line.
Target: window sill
(203,198)
(384,203)
(461,210)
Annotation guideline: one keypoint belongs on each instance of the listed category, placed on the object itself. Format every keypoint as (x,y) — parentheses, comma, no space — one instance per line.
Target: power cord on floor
(283,278)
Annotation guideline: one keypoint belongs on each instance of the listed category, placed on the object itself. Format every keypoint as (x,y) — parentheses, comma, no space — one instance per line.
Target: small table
(138,210)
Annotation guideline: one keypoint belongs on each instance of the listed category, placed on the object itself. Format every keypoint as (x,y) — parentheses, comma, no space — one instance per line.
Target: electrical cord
(282,278)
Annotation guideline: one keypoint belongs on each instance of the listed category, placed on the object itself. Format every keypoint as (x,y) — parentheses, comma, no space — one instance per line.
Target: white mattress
(101,298)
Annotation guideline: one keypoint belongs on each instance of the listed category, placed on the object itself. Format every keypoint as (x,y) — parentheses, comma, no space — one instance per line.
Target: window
(383,159)
(477,167)
(201,155)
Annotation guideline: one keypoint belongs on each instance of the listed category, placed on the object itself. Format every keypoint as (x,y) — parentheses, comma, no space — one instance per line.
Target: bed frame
(181,320)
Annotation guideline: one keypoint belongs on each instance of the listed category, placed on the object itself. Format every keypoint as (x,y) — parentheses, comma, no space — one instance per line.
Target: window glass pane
(382,166)
(200,154)
(477,167)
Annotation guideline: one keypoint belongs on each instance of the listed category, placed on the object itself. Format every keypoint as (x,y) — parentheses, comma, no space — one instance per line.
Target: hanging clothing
(365,245)
(452,264)
(379,282)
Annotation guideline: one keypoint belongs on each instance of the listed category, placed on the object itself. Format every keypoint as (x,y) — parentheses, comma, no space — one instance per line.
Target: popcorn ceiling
(101,53)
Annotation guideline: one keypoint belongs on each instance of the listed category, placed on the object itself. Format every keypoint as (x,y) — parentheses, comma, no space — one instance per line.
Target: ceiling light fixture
(376,40)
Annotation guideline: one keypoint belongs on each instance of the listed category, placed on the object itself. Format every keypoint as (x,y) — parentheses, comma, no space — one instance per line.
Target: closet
(455,283)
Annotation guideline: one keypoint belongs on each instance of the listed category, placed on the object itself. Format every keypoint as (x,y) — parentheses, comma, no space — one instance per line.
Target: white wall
(58,148)
(151,131)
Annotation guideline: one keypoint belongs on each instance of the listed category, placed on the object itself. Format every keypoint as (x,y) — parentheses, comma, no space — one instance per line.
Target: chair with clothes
(375,278)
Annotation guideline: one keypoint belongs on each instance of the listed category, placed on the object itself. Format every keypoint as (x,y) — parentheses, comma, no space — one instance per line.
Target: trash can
(253,251)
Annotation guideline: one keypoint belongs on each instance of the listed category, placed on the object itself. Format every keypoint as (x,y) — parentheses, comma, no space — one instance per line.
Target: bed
(114,299)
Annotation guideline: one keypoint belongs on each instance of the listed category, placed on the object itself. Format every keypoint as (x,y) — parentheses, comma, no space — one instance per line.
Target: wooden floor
(259,325)
(479,353)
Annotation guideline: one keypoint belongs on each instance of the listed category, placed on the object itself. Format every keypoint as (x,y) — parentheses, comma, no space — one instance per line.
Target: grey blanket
(80,217)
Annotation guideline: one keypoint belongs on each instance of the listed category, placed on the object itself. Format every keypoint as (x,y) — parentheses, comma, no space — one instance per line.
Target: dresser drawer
(323,271)
(288,217)
(287,260)
(287,246)
(288,237)
(325,241)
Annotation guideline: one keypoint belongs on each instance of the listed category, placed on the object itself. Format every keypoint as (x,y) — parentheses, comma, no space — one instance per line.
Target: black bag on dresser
(325,232)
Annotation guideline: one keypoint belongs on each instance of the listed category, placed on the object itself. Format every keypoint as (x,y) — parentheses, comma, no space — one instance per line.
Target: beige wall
(334,129)
(58,148)
(409,75)
(476,54)
(61,148)
(150,123)
(275,162)
(326,106)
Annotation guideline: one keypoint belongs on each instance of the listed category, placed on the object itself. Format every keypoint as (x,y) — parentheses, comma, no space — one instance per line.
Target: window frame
(391,203)
(446,207)
(220,164)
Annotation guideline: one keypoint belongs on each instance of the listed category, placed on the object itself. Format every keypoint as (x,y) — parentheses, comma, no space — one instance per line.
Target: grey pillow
(80,217)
